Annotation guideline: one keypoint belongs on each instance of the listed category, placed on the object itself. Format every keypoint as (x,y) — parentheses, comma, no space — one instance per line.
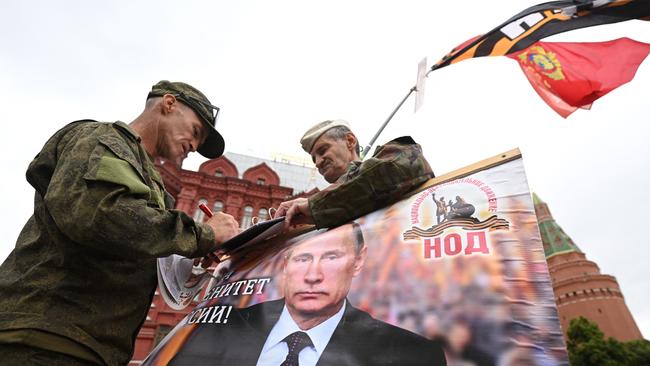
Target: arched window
(198,213)
(218,173)
(247,217)
(262,215)
(218,206)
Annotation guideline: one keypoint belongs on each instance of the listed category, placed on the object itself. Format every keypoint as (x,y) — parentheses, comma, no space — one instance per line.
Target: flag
(543,20)
(420,83)
(568,76)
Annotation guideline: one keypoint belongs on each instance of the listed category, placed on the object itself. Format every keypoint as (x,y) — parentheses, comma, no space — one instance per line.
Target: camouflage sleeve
(395,169)
(98,198)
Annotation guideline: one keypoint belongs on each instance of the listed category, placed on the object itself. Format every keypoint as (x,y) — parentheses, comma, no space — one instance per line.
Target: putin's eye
(302,258)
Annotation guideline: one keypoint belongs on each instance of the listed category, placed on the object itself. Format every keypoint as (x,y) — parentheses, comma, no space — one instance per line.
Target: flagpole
(446,62)
(381,129)
(433,68)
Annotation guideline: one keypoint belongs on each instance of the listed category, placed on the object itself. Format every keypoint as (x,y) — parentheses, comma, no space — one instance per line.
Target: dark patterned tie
(296,341)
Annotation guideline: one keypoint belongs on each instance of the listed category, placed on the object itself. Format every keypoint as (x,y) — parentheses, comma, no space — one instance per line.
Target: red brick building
(240,185)
(580,289)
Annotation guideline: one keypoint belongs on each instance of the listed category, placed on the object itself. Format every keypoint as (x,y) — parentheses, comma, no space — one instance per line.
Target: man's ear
(168,103)
(285,259)
(350,141)
(360,260)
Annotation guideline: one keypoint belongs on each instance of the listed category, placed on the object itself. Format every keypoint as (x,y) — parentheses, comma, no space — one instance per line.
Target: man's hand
(295,211)
(224,227)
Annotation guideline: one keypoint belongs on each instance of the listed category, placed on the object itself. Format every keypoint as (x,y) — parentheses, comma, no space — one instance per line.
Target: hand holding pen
(224,226)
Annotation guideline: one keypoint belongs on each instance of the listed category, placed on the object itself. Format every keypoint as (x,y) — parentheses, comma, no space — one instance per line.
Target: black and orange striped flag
(543,20)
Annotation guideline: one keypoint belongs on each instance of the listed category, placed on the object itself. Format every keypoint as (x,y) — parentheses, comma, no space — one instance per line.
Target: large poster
(454,272)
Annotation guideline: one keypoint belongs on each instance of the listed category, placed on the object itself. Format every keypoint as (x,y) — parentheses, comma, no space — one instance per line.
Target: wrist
(206,239)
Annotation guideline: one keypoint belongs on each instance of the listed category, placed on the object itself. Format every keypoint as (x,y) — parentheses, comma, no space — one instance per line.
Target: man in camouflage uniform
(357,188)
(79,283)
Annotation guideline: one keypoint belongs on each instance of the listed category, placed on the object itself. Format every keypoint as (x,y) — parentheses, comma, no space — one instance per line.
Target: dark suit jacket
(358,340)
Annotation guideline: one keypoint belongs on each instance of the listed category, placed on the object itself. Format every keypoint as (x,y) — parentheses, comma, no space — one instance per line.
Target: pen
(206,209)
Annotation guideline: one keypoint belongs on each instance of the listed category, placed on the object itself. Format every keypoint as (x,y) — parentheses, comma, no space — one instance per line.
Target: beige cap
(309,138)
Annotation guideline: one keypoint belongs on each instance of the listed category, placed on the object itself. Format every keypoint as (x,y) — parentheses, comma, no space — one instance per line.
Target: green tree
(640,350)
(588,347)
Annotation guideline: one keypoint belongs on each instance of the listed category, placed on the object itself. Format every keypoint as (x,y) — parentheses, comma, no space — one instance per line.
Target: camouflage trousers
(21,355)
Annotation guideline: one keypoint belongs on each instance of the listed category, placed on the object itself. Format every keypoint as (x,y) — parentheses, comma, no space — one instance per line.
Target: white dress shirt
(275,350)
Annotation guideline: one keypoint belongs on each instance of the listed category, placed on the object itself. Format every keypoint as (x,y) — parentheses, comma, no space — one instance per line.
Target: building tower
(580,289)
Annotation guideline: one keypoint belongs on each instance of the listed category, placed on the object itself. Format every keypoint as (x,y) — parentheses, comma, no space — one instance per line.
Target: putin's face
(318,273)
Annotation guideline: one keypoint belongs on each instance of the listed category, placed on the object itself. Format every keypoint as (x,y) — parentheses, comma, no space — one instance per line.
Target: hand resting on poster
(296,212)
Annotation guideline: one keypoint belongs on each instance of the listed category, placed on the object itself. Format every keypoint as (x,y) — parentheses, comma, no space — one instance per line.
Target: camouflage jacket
(394,169)
(84,265)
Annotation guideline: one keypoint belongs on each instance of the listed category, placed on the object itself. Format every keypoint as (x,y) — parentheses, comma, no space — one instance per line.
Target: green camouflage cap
(214,144)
